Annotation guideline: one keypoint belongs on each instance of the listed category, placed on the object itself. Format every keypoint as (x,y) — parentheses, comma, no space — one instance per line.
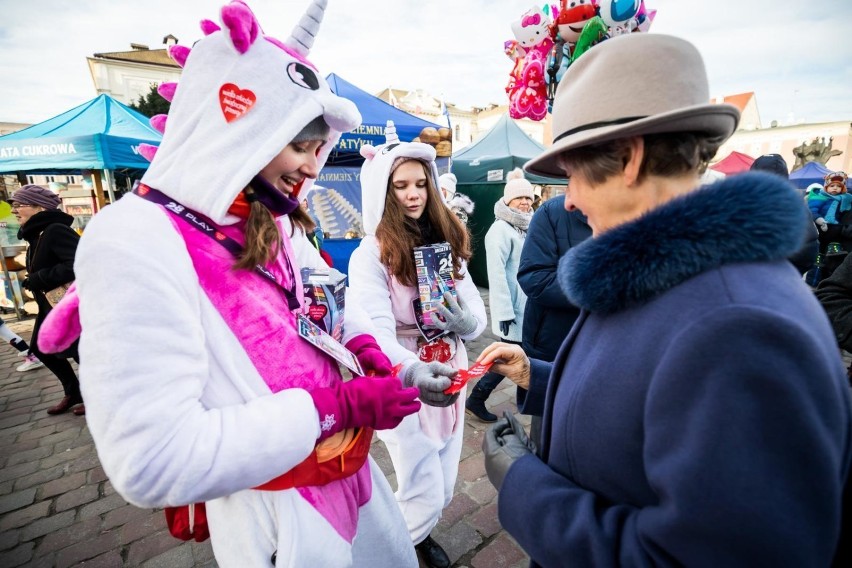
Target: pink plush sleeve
(61,327)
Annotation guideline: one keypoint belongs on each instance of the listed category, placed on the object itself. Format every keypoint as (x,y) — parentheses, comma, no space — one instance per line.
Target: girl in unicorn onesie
(402,208)
(215,397)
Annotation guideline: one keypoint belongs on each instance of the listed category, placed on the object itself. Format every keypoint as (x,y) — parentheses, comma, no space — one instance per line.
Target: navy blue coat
(698,412)
(549,315)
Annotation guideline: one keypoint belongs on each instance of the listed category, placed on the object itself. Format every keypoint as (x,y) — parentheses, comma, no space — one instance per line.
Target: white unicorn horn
(390,133)
(302,38)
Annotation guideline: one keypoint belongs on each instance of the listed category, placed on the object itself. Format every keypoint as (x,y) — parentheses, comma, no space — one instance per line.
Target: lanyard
(209,228)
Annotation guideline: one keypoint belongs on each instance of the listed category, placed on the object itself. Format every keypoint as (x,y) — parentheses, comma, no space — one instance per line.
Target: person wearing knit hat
(50,265)
(518,187)
(221,396)
(804,258)
(448,183)
(772,163)
(402,209)
(36,195)
(697,413)
(503,244)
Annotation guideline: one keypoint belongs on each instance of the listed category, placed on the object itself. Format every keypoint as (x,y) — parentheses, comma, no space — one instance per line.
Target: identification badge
(464,375)
(312,333)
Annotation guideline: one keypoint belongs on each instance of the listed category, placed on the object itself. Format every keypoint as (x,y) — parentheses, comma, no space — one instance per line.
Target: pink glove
(370,355)
(61,327)
(378,403)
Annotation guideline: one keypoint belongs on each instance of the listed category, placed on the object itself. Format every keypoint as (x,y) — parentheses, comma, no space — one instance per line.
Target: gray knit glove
(822,224)
(432,379)
(457,318)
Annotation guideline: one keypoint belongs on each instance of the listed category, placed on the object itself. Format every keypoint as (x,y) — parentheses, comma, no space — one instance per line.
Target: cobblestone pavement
(57,507)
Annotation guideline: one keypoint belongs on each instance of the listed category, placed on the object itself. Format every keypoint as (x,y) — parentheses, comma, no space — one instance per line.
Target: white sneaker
(23,353)
(30,363)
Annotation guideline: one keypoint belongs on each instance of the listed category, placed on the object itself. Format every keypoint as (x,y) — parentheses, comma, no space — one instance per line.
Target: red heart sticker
(235,102)
(317,312)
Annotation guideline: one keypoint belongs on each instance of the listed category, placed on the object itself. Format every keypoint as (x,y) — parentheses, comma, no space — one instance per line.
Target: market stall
(481,170)
(733,163)
(100,136)
(96,137)
(337,205)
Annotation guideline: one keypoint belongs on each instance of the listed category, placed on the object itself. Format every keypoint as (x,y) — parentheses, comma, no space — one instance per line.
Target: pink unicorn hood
(242,98)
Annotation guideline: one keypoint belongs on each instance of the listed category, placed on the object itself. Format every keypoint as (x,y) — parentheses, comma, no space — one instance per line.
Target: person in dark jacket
(50,264)
(804,258)
(698,413)
(835,295)
(549,315)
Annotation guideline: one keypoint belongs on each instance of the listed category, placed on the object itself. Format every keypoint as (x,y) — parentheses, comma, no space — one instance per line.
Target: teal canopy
(502,149)
(97,135)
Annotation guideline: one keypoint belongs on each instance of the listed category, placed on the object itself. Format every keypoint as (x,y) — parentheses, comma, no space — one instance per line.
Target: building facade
(127,75)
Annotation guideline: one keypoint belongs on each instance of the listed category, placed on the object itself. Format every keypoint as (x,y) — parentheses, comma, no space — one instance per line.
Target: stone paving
(57,507)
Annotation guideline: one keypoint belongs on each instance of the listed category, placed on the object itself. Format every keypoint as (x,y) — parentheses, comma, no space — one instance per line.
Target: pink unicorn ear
(148,151)
(158,122)
(208,27)
(179,53)
(167,90)
(368,151)
(241,24)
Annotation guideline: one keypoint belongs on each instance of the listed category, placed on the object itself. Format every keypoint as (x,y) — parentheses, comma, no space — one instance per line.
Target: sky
(796,56)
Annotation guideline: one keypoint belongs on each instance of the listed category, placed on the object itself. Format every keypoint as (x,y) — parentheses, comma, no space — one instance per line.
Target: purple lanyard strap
(209,228)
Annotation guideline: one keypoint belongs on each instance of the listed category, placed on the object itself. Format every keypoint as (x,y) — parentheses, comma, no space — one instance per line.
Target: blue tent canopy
(99,134)
(812,172)
(374,113)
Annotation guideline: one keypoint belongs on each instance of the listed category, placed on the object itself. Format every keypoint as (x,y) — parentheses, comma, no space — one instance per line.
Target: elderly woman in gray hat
(50,266)
(698,413)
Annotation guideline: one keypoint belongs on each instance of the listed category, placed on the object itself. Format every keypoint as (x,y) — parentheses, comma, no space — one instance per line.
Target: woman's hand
(508,360)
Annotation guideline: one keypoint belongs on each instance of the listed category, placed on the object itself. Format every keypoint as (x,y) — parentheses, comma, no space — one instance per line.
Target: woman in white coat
(402,208)
(503,244)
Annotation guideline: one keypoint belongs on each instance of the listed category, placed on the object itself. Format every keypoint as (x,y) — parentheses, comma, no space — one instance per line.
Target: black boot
(475,404)
(431,553)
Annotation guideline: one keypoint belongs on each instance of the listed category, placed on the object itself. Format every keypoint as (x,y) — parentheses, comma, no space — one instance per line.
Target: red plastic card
(464,375)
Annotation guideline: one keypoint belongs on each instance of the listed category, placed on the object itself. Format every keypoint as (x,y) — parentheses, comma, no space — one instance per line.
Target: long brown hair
(398,234)
(263,239)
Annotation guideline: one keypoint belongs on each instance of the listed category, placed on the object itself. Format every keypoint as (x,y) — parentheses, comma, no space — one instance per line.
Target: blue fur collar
(745,218)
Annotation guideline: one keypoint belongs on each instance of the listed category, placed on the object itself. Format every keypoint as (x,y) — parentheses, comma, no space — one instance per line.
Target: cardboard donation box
(434,267)
(325,291)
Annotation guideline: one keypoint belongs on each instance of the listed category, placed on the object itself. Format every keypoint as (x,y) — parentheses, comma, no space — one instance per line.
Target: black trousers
(58,364)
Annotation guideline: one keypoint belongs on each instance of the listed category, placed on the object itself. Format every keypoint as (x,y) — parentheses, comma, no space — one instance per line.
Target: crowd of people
(689,401)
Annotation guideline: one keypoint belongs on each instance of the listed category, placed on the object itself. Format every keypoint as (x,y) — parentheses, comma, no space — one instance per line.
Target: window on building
(458,133)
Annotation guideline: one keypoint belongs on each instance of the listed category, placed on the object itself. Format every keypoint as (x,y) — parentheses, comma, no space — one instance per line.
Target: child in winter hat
(826,205)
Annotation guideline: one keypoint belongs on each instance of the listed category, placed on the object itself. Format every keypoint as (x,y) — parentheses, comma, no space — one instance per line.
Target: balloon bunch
(529,50)
(577,25)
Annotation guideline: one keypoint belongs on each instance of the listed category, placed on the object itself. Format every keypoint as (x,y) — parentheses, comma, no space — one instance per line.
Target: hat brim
(716,120)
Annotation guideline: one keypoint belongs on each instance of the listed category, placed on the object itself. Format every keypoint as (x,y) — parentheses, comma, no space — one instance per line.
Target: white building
(127,75)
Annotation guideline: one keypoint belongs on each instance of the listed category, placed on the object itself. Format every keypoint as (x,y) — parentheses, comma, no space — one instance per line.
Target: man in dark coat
(549,315)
